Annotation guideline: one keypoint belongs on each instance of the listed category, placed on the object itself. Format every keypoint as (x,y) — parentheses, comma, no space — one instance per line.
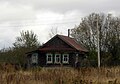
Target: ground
(61,75)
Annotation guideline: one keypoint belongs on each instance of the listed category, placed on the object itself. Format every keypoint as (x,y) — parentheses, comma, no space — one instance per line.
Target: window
(57,58)
(65,58)
(77,58)
(49,58)
(35,58)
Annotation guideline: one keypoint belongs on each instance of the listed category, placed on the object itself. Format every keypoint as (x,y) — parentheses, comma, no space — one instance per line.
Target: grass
(64,75)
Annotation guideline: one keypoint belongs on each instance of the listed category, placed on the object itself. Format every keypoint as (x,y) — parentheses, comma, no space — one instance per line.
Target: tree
(86,33)
(16,55)
(25,43)
(27,39)
(53,32)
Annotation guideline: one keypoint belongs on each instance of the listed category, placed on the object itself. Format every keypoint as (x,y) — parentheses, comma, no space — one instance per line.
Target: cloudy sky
(42,15)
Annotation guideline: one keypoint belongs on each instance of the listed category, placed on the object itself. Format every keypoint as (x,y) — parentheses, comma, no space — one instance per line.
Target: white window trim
(56,60)
(49,62)
(34,55)
(66,62)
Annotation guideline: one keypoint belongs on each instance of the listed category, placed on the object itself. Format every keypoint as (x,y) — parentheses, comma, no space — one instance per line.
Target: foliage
(109,35)
(27,39)
(17,55)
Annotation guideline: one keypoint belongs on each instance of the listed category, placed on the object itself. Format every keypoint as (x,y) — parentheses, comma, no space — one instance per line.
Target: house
(59,50)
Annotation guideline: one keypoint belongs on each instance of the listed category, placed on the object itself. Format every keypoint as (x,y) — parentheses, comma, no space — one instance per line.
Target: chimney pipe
(68,32)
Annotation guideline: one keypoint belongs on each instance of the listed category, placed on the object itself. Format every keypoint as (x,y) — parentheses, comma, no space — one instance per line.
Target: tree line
(85,33)
(109,37)
(26,42)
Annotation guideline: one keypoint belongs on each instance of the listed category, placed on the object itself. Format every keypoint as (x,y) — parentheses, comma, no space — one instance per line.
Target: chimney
(68,32)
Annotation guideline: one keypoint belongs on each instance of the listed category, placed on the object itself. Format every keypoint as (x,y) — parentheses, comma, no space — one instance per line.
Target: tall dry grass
(62,75)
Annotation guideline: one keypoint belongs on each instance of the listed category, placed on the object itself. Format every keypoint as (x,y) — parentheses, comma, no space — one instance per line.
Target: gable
(56,44)
(62,43)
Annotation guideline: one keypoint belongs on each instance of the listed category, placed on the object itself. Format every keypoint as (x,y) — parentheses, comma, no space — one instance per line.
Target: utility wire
(38,24)
(39,19)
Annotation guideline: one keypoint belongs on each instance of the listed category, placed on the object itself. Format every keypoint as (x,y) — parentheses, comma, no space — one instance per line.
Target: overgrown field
(61,76)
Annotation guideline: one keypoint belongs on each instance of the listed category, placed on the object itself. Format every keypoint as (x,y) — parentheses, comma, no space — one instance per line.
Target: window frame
(47,57)
(63,60)
(34,58)
(55,61)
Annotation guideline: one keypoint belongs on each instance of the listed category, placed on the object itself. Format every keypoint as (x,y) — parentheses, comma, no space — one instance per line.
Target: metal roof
(73,43)
(68,40)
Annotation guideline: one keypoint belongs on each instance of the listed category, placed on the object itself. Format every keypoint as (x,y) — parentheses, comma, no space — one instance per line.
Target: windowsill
(65,63)
(57,63)
(49,62)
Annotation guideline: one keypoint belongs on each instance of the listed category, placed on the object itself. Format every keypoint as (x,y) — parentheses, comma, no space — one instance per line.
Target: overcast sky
(42,15)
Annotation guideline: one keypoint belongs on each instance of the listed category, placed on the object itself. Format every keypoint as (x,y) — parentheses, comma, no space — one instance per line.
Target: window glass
(49,58)
(65,58)
(57,58)
(35,58)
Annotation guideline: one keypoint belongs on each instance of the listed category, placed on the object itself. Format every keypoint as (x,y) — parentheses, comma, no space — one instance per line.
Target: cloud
(11,12)
(42,15)
(66,5)
(45,20)
(49,19)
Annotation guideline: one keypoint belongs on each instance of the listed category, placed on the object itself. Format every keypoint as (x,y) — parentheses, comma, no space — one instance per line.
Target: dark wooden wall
(57,43)
(42,60)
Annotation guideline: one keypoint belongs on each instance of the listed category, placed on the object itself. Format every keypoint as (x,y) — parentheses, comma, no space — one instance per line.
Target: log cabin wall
(59,51)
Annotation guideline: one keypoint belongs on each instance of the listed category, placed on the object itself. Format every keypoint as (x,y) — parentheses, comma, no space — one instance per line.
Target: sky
(41,16)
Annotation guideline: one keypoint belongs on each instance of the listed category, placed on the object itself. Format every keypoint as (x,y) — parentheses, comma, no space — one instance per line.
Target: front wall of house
(49,56)
(43,59)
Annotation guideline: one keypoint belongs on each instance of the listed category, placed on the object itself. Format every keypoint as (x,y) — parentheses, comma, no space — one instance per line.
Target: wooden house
(58,51)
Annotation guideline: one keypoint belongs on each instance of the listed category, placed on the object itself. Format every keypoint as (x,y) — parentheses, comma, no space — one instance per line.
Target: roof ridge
(71,44)
(70,41)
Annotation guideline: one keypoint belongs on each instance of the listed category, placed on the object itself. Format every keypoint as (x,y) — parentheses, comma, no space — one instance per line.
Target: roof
(73,43)
(70,41)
